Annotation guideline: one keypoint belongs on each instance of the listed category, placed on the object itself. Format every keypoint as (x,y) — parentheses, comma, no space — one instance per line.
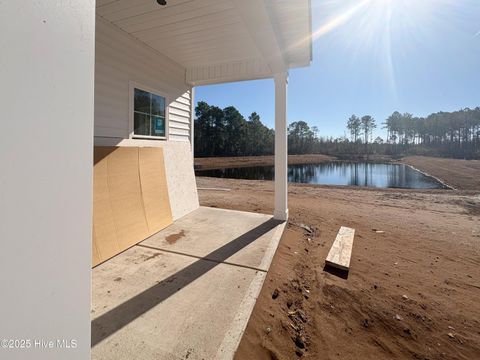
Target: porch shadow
(120,316)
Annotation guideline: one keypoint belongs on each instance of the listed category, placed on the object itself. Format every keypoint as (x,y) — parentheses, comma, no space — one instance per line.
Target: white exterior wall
(46,112)
(120,60)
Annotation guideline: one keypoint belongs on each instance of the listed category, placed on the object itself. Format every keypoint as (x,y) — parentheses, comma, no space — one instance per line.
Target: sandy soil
(413,288)
(228,162)
(461,174)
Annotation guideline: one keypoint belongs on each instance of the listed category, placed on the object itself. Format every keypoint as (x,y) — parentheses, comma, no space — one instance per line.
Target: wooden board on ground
(341,250)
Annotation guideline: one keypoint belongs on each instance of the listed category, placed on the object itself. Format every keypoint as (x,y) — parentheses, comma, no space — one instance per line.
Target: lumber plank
(341,250)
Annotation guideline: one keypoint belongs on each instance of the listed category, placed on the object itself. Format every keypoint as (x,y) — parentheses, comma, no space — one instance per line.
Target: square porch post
(281,151)
(47,67)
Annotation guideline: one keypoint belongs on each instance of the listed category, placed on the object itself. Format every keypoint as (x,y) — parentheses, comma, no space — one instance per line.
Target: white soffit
(292,23)
(219,40)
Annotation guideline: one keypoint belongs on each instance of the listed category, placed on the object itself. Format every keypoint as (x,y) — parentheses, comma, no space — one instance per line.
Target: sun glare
(371,26)
(365,7)
(338,20)
(383,32)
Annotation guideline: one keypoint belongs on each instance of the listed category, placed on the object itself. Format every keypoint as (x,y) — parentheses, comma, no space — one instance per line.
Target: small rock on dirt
(299,342)
(398,317)
(275,294)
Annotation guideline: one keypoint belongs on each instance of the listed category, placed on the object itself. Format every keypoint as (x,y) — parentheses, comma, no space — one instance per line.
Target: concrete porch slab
(203,232)
(183,296)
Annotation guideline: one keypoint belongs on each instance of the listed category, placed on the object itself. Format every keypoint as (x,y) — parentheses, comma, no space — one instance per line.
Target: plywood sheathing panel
(154,189)
(126,196)
(95,254)
(130,198)
(104,229)
(178,159)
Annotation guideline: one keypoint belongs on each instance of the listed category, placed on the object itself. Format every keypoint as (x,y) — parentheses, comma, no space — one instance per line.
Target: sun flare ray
(338,20)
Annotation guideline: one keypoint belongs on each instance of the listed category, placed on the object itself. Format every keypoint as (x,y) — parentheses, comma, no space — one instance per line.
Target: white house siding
(120,60)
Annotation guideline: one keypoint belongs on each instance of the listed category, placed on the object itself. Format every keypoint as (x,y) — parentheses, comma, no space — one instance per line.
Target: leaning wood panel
(130,198)
(105,241)
(341,250)
(96,259)
(126,196)
(154,189)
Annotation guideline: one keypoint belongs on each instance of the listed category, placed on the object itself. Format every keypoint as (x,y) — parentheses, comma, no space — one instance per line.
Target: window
(148,114)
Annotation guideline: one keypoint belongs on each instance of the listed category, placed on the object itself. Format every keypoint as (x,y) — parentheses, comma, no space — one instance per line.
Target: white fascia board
(250,69)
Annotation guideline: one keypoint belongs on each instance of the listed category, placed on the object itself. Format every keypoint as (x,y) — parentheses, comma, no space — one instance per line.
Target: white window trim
(132,85)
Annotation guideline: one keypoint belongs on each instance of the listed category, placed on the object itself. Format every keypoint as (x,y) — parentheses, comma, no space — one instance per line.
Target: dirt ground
(228,162)
(461,174)
(414,284)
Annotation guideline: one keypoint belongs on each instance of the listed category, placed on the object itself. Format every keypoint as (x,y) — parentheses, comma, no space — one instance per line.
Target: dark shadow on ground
(120,316)
(336,272)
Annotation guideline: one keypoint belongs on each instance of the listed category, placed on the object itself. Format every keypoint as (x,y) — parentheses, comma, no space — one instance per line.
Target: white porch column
(46,160)
(192,121)
(281,151)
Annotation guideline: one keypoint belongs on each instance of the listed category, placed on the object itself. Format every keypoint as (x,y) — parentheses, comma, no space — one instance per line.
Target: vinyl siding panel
(120,60)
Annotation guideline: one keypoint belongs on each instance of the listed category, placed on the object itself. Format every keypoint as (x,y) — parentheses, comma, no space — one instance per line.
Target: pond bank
(211,163)
(338,173)
(459,174)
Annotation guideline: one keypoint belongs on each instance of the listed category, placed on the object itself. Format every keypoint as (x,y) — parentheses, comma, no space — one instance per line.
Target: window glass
(142,101)
(148,114)
(158,105)
(141,124)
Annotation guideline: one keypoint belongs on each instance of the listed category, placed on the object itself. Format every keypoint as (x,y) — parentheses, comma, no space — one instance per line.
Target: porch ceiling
(219,40)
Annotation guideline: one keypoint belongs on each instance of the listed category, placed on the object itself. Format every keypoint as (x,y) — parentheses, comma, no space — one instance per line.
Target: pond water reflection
(337,173)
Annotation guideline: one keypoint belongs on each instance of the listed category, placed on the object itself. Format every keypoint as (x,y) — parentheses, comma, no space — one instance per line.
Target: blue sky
(374,57)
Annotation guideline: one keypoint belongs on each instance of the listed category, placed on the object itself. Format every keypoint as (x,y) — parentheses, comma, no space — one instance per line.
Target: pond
(337,173)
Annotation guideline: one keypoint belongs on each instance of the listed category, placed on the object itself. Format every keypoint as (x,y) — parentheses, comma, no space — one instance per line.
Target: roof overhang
(219,40)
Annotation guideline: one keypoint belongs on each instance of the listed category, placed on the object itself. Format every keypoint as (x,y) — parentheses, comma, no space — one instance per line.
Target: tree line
(225,132)
(454,133)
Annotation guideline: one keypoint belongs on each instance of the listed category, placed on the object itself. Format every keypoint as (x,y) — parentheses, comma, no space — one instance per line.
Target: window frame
(132,86)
